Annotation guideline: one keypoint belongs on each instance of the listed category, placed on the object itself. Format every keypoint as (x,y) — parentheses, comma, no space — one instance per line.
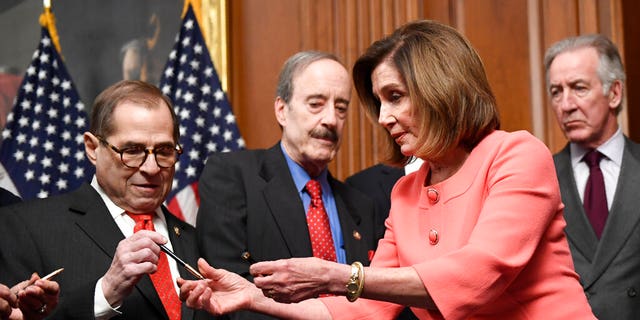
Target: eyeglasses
(135,156)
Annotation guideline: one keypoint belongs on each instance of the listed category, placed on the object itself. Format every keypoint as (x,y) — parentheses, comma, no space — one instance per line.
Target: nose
(329,117)
(150,165)
(566,102)
(385,118)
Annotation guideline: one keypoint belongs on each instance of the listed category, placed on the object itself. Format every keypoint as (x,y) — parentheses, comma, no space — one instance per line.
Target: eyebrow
(132,144)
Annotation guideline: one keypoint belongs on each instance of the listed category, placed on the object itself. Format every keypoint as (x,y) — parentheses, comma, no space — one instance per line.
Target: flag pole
(47,20)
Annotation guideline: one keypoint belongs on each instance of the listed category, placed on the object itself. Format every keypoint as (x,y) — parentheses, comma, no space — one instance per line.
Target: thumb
(207,271)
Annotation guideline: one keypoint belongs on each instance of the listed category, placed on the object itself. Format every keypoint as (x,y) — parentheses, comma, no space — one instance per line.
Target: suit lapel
(283,202)
(623,216)
(94,220)
(578,229)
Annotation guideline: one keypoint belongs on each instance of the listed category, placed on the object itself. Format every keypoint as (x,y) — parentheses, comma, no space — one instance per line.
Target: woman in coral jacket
(476,233)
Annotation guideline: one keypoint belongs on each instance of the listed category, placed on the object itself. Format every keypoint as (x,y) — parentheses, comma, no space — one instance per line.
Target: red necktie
(318,222)
(162,279)
(595,197)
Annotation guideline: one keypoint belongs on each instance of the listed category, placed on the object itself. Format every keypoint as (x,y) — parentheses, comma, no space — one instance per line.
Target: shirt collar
(612,149)
(300,176)
(114,210)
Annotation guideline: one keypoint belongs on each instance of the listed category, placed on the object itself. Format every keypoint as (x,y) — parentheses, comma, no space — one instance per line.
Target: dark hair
(127,90)
(446,82)
(293,66)
(610,68)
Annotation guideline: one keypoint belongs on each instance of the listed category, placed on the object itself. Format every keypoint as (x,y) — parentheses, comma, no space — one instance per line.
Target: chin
(578,136)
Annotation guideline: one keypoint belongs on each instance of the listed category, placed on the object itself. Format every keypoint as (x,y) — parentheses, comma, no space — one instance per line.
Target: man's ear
(279,108)
(615,94)
(91,144)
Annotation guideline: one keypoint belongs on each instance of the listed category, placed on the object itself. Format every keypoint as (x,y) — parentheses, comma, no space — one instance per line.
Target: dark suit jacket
(76,231)
(376,182)
(7,198)
(249,202)
(609,269)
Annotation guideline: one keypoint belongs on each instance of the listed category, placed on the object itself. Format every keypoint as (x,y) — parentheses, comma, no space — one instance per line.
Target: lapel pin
(356,235)
(176,230)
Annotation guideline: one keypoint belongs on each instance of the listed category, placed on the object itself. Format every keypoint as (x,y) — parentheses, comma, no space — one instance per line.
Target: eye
(316,103)
(554,92)
(342,110)
(581,90)
(165,151)
(133,150)
(393,95)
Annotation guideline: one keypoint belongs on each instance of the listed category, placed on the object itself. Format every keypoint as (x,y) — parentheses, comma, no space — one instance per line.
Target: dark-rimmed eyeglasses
(133,157)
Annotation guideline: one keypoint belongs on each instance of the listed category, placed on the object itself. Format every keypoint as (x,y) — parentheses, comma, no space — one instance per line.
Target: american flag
(207,123)
(42,148)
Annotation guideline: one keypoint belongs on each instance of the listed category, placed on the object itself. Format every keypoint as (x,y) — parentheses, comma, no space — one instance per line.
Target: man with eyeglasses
(106,235)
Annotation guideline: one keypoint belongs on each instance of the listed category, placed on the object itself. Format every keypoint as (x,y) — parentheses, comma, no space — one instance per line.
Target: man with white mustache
(254,203)
(585,82)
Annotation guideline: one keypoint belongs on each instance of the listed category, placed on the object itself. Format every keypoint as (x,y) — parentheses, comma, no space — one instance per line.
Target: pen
(47,277)
(52,274)
(189,268)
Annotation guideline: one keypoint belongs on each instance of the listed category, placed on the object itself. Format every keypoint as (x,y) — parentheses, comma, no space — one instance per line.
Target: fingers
(135,256)
(8,301)
(33,302)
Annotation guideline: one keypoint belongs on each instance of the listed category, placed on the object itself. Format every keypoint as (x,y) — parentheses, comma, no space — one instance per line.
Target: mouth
(147,187)
(571,123)
(397,137)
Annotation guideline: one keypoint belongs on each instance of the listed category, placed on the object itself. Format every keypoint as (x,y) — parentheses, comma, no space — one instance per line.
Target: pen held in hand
(189,268)
(52,274)
(47,277)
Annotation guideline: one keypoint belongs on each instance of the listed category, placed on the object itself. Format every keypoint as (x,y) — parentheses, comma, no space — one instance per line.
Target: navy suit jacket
(76,231)
(249,203)
(609,269)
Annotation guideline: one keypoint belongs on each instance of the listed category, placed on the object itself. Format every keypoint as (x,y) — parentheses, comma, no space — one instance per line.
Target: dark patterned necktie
(318,223)
(162,279)
(595,197)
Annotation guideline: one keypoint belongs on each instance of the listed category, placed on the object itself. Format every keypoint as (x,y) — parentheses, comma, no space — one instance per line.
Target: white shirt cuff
(101,307)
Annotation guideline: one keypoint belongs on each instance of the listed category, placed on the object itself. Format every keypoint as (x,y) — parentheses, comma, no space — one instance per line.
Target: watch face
(352,287)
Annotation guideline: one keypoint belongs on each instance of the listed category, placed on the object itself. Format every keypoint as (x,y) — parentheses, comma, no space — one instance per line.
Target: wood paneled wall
(509,35)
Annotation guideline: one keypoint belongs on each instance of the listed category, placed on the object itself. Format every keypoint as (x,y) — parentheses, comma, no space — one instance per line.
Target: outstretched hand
(221,292)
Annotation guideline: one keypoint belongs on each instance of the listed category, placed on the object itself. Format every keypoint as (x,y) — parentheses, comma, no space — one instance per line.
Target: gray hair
(610,68)
(293,66)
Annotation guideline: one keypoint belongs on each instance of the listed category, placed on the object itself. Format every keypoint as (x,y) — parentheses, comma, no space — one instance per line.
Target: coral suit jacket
(500,250)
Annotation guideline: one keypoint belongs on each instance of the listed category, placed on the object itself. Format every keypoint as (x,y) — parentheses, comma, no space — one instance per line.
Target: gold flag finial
(48,21)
